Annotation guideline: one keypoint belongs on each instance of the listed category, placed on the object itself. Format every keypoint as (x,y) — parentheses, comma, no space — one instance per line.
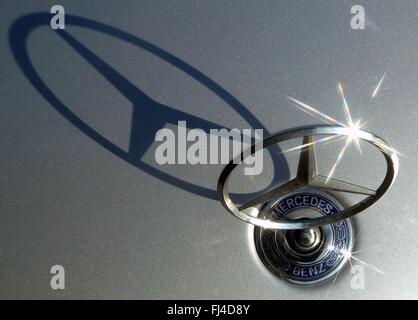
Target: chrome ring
(391,173)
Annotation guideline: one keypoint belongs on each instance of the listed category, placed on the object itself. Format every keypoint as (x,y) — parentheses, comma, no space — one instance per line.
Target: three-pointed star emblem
(307,176)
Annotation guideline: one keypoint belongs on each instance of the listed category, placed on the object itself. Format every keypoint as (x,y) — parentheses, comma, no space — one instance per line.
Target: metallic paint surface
(66,200)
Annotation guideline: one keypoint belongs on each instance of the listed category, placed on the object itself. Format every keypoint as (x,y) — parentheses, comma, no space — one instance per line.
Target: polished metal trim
(307,176)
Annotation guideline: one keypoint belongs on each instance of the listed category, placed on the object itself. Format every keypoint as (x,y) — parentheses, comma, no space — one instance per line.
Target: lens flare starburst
(352,258)
(376,90)
(352,127)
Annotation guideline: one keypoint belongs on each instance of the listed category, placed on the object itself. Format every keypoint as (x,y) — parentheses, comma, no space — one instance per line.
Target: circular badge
(305,256)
